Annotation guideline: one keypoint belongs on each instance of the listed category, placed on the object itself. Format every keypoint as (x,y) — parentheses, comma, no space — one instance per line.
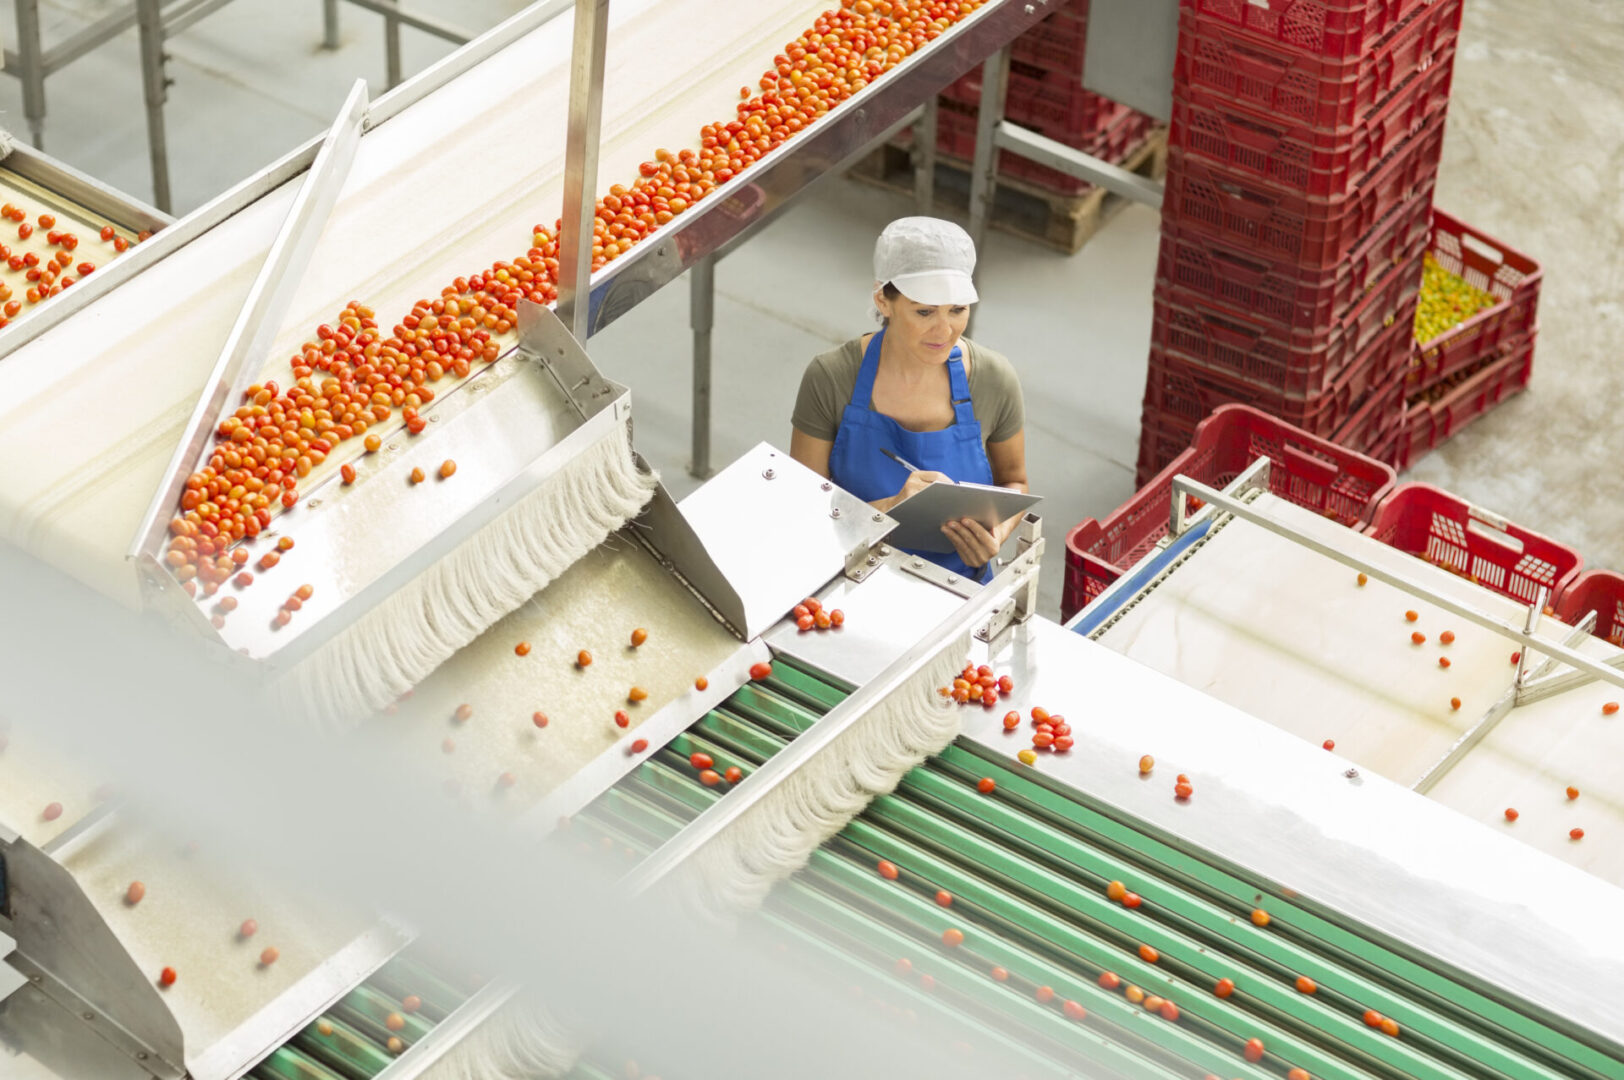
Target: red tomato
(761,671)
(986,784)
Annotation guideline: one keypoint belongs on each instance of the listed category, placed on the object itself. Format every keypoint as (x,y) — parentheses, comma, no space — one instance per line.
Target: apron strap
(959,387)
(862,395)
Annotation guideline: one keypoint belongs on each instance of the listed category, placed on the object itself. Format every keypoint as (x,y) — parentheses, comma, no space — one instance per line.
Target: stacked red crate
(1046,95)
(1303,153)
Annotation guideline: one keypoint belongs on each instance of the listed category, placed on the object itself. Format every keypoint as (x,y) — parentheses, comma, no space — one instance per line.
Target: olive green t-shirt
(827,385)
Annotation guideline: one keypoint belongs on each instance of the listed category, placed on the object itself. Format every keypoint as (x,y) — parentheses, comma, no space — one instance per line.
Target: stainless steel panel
(10,980)
(1130,51)
(885,614)
(1438,884)
(54,1044)
(81,964)
(777,530)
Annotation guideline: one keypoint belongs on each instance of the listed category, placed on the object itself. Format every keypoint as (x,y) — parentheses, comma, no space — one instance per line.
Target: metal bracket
(1023,602)
(261,316)
(1062,158)
(864,559)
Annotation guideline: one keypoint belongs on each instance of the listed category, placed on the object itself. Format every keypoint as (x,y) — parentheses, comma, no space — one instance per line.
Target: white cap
(929,260)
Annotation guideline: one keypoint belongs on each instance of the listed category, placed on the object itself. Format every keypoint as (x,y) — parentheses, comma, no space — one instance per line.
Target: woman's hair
(890,292)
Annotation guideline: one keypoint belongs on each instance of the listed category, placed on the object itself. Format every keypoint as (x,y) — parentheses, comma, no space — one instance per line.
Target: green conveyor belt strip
(1027,866)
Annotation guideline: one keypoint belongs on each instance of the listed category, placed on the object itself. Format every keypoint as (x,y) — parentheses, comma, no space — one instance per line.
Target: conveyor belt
(1027,868)
(351,1041)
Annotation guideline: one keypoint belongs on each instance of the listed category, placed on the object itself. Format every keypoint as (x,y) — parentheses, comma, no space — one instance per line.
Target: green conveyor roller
(1026,868)
(351,1040)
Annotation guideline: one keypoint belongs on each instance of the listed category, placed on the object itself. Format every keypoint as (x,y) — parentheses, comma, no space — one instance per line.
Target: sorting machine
(1388,900)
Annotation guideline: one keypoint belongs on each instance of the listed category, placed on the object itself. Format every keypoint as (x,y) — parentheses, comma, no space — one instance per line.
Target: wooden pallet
(1062,222)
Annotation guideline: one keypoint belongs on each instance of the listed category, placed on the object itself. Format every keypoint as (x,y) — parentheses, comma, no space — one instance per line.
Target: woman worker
(920,390)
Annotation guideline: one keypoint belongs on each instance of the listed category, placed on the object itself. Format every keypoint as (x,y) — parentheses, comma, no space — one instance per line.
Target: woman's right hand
(919,481)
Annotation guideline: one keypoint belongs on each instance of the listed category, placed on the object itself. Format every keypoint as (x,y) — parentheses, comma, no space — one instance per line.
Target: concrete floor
(1533,156)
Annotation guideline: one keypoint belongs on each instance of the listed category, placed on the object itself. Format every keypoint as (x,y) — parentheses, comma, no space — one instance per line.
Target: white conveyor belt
(91,411)
(1289,636)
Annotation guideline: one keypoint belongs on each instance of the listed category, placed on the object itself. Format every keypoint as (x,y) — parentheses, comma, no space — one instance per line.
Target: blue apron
(857,465)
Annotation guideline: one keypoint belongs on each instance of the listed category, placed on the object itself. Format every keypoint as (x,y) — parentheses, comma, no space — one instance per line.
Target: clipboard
(919,517)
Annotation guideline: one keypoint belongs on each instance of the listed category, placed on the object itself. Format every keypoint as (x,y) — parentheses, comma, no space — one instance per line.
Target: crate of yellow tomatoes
(1478,298)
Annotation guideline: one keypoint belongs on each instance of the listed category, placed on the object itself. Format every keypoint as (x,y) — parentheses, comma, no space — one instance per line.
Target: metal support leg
(30,49)
(702,316)
(984,169)
(155,84)
(391,47)
(924,157)
(329,24)
(581,166)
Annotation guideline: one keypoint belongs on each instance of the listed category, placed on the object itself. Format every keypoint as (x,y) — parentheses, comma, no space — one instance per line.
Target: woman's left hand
(975,545)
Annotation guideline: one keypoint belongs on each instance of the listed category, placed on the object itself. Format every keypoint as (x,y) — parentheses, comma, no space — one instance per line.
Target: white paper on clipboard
(920,516)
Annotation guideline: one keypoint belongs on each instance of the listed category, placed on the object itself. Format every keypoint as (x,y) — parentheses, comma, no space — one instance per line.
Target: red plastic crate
(1493,267)
(1428,424)
(1326,92)
(1292,297)
(1601,591)
(1057,44)
(1204,336)
(1449,532)
(1276,222)
(1308,471)
(1333,28)
(1300,157)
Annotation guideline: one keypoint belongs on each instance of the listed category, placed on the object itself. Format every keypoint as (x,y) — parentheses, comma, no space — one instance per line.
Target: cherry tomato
(1411,616)
(761,671)
(1224,987)
(1418,638)
(583,659)
(1363,579)
(395,1045)
(1043,739)
(1027,757)
(539,718)
(167,977)
(1305,985)
(248,929)
(269,955)
(1109,980)
(621,719)
(1443,661)
(639,745)
(411,1003)
(522,648)
(1447,637)
(1012,721)
(1576,834)
(1511,813)
(999,974)
(638,637)
(1116,890)
(637,693)
(1389,1026)
(1373,1018)
(1146,764)
(1073,1010)
(952,937)
(733,774)
(416,476)
(1610,708)
(347,472)
(837,618)
(394,1021)
(986,784)
(701,683)
(1573,793)
(1134,994)
(448,468)
(1454,703)
(700,760)
(1062,743)
(135,893)
(1298,1074)
(52,811)
(1131,900)
(1044,994)
(944,898)
(1260,917)
(1254,1049)
(888,870)
(506,780)
(1329,744)
(805,623)
(1148,954)
(1182,791)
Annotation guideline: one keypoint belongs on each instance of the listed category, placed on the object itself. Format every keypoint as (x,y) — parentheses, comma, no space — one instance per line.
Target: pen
(899,460)
(906,465)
